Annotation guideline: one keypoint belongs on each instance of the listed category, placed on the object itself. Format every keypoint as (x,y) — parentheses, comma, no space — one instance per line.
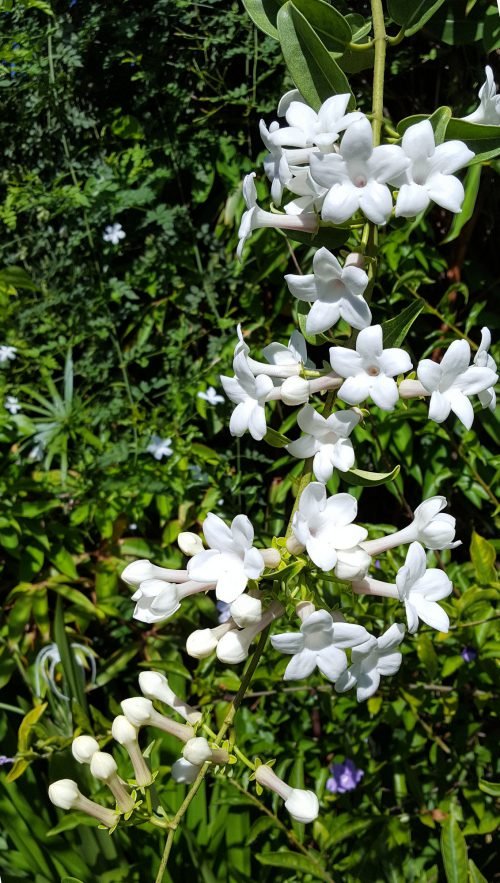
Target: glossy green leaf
(412,14)
(475,875)
(332,28)
(276,439)
(471,187)
(458,23)
(454,852)
(314,71)
(72,673)
(293,861)
(483,558)
(329,237)
(361,478)
(395,330)
(491,788)
(16,277)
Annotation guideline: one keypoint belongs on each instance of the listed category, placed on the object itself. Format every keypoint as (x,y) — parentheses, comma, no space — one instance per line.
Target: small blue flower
(345,777)
(468,653)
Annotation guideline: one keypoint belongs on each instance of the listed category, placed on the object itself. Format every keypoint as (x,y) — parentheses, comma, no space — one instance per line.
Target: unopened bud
(83,747)
(295,391)
(66,795)
(197,751)
(103,767)
(246,610)
(293,545)
(202,642)
(154,685)
(272,557)
(189,543)
(140,712)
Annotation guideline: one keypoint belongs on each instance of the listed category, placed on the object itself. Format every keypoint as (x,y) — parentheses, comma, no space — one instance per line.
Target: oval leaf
(454,852)
(360,478)
(411,15)
(395,330)
(287,859)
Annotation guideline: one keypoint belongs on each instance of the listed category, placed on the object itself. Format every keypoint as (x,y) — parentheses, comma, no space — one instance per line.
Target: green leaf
(16,277)
(395,330)
(314,71)
(276,439)
(360,478)
(454,852)
(72,674)
(475,875)
(471,187)
(491,788)
(69,879)
(263,14)
(293,861)
(27,724)
(483,557)
(262,824)
(68,823)
(412,15)
(329,24)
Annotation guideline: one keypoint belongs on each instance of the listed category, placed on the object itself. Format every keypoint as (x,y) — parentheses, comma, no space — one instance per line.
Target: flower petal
(288,642)
(412,199)
(461,406)
(331,662)
(432,614)
(322,317)
(340,203)
(375,201)
(384,392)
(439,407)
(447,191)
(342,455)
(300,666)
(302,287)
(322,553)
(322,463)
(394,361)
(355,389)
(346,363)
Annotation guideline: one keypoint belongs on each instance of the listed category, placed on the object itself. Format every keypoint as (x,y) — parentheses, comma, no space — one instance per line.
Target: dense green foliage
(146,114)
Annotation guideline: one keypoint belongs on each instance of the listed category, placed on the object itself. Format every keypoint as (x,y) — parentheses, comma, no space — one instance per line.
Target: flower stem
(380,42)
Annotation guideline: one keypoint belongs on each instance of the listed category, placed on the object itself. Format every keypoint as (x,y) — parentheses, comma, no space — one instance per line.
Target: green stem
(380,43)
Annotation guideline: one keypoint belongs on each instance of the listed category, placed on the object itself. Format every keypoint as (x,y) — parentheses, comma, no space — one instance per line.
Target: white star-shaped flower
(114,233)
(420,589)
(292,355)
(12,405)
(451,382)
(211,396)
(430,173)
(160,447)
(357,176)
(275,163)
(7,353)
(249,393)
(488,112)
(482,359)
(327,440)
(306,127)
(255,217)
(334,291)
(431,526)
(324,526)
(319,644)
(231,559)
(369,369)
(371,660)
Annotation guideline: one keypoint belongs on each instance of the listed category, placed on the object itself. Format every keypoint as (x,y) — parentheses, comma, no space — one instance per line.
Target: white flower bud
(303,806)
(352,564)
(83,747)
(66,795)
(154,685)
(140,712)
(233,647)
(295,391)
(139,571)
(126,734)
(272,557)
(184,772)
(202,642)
(246,610)
(103,766)
(293,545)
(197,751)
(123,731)
(189,543)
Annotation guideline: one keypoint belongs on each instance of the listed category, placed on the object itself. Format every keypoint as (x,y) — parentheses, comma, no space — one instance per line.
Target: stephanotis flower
(319,644)
(357,176)
(7,353)
(160,447)
(302,805)
(157,600)
(334,291)
(430,173)
(12,405)
(249,393)
(482,359)
(211,396)
(431,526)
(114,233)
(371,660)
(488,112)
(327,440)
(276,163)
(255,217)
(451,382)
(231,560)
(287,357)
(309,195)
(420,589)
(324,527)
(306,127)
(369,370)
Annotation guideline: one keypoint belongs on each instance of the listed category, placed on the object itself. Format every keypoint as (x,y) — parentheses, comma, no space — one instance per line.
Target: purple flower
(345,777)
(468,653)
(4,759)
(224,611)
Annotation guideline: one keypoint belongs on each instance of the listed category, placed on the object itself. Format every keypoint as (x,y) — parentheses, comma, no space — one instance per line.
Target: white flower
(430,173)
(157,600)
(249,394)
(275,163)
(256,217)
(126,734)
(140,712)
(488,112)
(65,794)
(12,405)
(103,767)
(231,560)
(189,543)
(113,233)
(37,452)
(287,357)
(431,526)
(6,353)
(202,642)
(309,194)
(160,447)
(83,747)
(211,396)
(482,359)
(376,657)
(307,128)
(357,176)
(334,292)
(327,439)
(302,805)
(197,751)
(320,643)
(154,685)
(234,645)
(138,571)
(370,369)
(452,381)
(324,525)
(420,589)
(184,772)
(246,610)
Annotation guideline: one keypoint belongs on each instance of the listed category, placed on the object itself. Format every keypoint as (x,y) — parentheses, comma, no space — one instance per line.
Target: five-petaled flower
(114,233)
(249,393)
(370,369)
(371,660)
(211,396)
(420,589)
(7,353)
(345,777)
(231,559)
(488,112)
(12,405)
(327,440)
(160,447)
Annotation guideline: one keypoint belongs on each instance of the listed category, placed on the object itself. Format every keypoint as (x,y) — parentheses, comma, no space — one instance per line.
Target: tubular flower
(202,642)
(140,713)
(357,176)
(125,734)
(139,571)
(197,751)
(154,685)
(306,127)
(371,660)
(431,526)
(488,112)
(231,560)
(451,382)
(482,359)
(369,371)
(320,643)
(185,772)
(255,217)
(324,525)
(420,589)
(327,440)
(234,646)
(302,805)
(275,163)
(66,795)
(103,767)
(157,600)
(289,359)
(83,748)
(249,394)
(334,292)
(430,173)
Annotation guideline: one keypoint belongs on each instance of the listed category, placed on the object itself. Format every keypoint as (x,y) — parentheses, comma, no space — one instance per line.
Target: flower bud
(123,731)
(202,642)
(103,767)
(66,795)
(189,543)
(293,545)
(302,805)
(156,600)
(140,712)
(197,751)
(184,772)
(83,747)
(126,734)
(272,557)
(233,647)
(141,570)
(295,391)
(154,685)
(246,610)
(352,564)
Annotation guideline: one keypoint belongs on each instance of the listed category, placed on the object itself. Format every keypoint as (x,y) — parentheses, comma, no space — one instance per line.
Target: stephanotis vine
(328,170)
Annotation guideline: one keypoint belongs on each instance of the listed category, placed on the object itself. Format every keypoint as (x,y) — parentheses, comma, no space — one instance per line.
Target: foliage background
(147,114)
